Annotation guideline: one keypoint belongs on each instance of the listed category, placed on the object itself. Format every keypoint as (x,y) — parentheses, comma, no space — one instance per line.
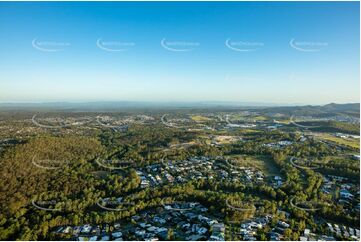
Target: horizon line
(211,103)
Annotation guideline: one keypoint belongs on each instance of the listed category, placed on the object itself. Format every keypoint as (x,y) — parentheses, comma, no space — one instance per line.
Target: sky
(266,52)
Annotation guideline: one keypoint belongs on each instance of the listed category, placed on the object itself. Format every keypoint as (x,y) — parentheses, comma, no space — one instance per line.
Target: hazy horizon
(170,104)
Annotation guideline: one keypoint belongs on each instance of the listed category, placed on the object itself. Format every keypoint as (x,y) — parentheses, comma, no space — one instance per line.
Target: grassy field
(199,118)
(284,121)
(354,143)
(264,163)
(260,118)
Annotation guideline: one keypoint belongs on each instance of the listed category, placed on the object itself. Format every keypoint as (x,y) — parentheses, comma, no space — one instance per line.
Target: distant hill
(332,108)
(349,107)
(352,109)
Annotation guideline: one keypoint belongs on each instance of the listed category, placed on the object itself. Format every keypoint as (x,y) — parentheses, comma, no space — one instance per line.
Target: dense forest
(61,172)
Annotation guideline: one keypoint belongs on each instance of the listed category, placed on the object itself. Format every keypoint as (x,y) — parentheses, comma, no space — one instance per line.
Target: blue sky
(270,52)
